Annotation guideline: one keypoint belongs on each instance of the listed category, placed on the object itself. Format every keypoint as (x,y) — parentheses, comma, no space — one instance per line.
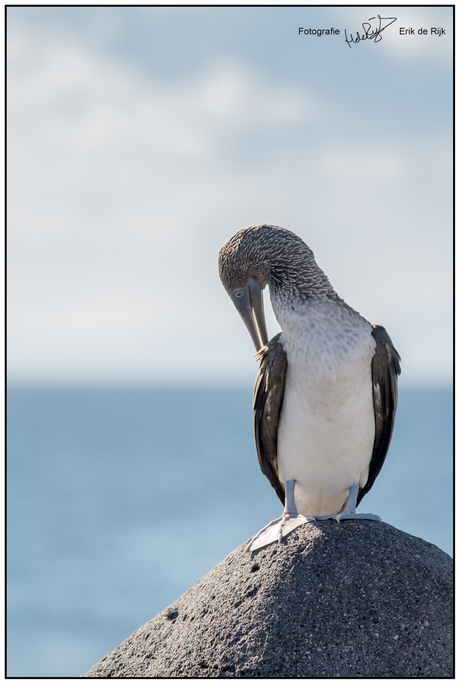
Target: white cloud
(122,188)
(362,167)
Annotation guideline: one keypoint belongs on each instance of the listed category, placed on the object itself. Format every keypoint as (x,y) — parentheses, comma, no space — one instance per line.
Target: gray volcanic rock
(351,599)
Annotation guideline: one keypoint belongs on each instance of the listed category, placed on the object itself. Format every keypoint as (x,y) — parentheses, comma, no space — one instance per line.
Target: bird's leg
(279,528)
(349,512)
(290,509)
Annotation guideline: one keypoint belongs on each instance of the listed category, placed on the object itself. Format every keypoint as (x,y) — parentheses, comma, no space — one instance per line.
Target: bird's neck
(305,281)
(316,316)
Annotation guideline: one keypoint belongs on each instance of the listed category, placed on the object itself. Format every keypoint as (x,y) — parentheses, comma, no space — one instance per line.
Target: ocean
(120,498)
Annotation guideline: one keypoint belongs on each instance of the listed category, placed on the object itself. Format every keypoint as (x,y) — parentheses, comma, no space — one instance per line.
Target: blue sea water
(120,499)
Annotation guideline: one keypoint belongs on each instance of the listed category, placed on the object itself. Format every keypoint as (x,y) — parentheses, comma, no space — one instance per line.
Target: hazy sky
(141,138)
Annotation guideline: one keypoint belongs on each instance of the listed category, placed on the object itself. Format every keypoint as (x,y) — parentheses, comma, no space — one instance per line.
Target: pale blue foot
(349,513)
(279,528)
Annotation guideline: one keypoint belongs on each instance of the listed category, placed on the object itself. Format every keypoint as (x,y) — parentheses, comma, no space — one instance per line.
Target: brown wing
(268,400)
(385,370)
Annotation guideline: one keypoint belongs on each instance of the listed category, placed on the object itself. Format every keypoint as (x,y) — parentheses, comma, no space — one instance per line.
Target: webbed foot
(279,528)
(349,513)
(276,530)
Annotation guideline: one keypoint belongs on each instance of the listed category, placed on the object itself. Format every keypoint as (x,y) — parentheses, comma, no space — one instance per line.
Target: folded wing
(268,401)
(385,371)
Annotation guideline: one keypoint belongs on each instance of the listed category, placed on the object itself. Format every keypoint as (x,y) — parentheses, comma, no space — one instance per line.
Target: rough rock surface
(348,599)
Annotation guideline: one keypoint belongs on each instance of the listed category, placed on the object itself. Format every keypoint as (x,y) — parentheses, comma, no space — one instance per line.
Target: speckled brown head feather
(272,256)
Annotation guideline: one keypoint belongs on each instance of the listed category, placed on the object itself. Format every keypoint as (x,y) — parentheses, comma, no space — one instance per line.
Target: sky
(140,139)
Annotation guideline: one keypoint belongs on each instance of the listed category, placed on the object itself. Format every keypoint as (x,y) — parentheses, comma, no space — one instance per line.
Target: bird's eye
(238,293)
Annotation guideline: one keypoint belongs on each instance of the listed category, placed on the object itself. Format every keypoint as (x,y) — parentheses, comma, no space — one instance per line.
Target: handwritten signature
(370,32)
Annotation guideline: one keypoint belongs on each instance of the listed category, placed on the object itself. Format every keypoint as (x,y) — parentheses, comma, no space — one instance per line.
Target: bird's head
(249,261)
(268,255)
(244,274)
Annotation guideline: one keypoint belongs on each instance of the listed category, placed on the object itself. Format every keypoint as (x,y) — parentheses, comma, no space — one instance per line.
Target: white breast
(326,429)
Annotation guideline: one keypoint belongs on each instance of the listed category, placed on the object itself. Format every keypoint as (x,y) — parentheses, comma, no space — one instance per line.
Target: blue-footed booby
(326,392)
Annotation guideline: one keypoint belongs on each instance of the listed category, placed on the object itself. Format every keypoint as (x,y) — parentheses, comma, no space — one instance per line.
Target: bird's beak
(251,309)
